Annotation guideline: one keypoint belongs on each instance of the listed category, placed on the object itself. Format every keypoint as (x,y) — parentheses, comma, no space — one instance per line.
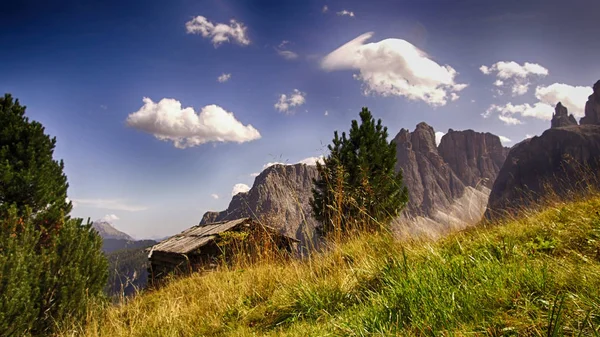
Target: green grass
(538,275)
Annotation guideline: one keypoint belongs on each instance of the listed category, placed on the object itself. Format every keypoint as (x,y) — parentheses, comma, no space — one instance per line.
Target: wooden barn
(204,246)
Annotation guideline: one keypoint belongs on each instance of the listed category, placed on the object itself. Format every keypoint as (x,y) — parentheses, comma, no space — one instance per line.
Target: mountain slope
(528,276)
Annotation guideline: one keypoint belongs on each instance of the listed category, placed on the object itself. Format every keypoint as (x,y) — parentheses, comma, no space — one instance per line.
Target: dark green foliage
(128,269)
(358,185)
(29,175)
(51,266)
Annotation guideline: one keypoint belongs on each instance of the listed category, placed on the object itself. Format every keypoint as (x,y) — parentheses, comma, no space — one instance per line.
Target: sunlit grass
(499,279)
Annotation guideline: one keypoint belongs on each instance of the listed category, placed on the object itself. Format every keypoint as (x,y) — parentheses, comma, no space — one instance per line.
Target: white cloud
(294,99)
(110,218)
(219,32)
(517,77)
(312,161)
(255,174)
(168,121)
(472,101)
(345,13)
(395,67)
(454,96)
(326,113)
(438,137)
(504,140)
(224,78)
(574,98)
(325,9)
(529,136)
(284,52)
(214,196)
(271,164)
(112,204)
(237,188)
(509,120)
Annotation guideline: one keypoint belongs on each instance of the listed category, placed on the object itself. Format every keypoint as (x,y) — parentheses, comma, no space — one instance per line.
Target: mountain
(448,186)
(561,161)
(107,231)
(279,196)
(111,245)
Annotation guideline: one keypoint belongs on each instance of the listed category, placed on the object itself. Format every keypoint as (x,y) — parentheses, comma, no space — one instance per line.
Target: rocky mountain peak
(107,231)
(561,117)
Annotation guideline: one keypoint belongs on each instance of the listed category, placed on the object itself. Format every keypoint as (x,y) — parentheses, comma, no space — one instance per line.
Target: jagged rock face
(561,160)
(592,108)
(280,194)
(107,231)
(475,157)
(430,181)
(561,117)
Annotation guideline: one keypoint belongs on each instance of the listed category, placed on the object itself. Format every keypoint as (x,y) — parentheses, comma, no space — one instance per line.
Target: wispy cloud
(214,196)
(111,204)
(514,76)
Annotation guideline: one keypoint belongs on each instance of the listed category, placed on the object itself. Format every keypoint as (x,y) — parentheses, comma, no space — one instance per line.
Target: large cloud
(291,100)
(572,97)
(514,76)
(168,121)
(394,67)
(219,32)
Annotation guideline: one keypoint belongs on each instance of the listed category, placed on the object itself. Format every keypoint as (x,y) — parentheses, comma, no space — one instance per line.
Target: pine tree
(50,265)
(357,185)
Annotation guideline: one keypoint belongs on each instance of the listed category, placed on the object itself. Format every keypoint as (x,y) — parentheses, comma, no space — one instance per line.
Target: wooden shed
(204,246)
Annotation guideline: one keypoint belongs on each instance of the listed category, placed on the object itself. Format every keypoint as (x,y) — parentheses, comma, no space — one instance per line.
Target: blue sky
(83,69)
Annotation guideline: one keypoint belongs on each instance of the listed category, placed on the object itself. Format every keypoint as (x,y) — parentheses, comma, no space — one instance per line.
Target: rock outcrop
(280,195)
(560,161)
(430,181)
(561,117)
(592,108)
(475,157)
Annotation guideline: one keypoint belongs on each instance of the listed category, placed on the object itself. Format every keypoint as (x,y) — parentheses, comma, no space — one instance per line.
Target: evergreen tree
(50,265)
(358,186)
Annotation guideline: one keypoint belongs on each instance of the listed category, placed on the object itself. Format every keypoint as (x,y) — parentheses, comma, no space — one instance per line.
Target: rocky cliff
(475,157)
(107,231)
(280,195)
(561,117)
(560,161)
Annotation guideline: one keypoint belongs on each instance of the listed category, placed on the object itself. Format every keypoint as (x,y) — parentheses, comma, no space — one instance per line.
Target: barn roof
(196,237)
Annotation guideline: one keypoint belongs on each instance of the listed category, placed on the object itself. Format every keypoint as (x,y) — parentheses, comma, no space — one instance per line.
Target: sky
(163,109)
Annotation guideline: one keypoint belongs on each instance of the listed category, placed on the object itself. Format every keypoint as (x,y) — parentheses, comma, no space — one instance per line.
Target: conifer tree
(358,186)
(50,265)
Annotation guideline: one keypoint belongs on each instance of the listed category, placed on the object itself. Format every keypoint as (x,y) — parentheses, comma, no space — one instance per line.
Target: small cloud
(325,9)
(345,13)
(214,196)
(454,96)
(294,99)
(438,137)
(103,107)
(312,161)
(219,32)
(255,174)
(110,218)
(527,136)
(472,101)
(239,188)
(509,120)
(271,164)
(284,51)
(485,70)
(504,140)
(326,113)
(224,78)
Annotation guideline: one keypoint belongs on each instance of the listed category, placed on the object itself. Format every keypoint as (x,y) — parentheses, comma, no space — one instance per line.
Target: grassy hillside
(538,275)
